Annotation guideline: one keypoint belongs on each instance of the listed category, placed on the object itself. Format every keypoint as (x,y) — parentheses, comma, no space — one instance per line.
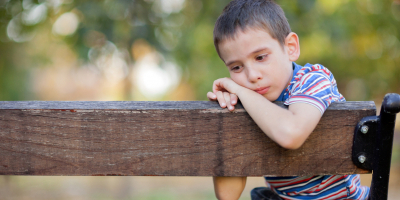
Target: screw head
(361,158)
(364,129)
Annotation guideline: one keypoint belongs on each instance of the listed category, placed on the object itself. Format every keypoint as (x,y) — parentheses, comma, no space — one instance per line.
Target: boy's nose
(253,75)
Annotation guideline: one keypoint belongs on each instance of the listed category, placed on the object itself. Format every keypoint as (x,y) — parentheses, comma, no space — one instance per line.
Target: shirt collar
(285,93)
(296,69)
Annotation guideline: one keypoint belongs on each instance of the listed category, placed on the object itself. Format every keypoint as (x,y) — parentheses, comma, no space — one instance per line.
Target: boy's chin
(271,97)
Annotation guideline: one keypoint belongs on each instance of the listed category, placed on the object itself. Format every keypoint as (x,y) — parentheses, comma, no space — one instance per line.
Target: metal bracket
(372,145)
(364,142)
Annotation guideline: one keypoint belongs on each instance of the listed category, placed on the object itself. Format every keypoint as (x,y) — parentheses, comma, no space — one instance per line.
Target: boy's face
(258,62)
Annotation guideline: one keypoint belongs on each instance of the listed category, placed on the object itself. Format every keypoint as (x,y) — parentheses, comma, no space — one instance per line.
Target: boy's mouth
(262,90)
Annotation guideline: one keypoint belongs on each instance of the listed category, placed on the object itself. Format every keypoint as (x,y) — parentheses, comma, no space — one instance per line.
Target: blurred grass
(110,188)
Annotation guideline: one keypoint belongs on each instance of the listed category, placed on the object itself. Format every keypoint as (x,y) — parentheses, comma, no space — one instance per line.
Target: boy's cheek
(236,78)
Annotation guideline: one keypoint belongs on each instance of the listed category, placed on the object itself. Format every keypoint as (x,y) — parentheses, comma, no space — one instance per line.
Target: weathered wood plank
(165,138)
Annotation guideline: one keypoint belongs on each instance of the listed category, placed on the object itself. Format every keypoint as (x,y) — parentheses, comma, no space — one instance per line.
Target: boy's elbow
(291,145)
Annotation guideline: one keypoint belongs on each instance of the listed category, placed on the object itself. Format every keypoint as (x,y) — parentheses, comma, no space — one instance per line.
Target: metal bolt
(364,129)
(361,158)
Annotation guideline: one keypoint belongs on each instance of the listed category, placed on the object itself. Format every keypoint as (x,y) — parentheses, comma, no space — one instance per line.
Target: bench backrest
(192,138)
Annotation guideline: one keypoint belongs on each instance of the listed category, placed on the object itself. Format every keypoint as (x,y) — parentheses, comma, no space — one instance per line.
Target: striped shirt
(315,85)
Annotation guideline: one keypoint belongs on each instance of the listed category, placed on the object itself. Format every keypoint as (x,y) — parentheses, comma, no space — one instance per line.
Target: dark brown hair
(262,14)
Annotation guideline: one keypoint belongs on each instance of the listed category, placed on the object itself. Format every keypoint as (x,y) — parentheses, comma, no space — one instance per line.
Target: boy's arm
(289,128)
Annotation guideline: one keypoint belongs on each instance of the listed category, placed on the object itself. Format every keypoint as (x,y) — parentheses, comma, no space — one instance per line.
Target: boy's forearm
(277,123)
(229,188)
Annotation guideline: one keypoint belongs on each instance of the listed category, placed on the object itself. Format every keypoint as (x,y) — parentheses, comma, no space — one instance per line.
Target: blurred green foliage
(358,40)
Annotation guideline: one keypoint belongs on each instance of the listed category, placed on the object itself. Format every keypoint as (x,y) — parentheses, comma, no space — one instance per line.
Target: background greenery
(357,40)
(100,50)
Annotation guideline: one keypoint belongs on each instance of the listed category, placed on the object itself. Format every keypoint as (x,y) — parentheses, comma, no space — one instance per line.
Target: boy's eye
(235,68)
(261,57)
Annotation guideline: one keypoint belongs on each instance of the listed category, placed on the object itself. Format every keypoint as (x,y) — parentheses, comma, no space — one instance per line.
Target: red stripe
(341,178)
(316,84)
(306,78)
(352,185)
(320,89)
(327,72)
(324,182)
(362,194)
(313,68)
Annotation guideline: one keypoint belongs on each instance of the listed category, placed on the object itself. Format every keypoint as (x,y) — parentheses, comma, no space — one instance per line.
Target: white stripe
(356,187)
(325,83)
(318,104)
(353,183)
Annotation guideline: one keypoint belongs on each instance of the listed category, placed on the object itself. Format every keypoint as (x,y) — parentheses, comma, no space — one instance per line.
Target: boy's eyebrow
(255,51)
(258,50)
(230,63)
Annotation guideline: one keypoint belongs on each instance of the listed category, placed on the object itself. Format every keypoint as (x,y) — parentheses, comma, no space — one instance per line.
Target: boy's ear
(293,46)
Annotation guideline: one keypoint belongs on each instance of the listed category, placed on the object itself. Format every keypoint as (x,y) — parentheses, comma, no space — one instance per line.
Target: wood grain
(190,138)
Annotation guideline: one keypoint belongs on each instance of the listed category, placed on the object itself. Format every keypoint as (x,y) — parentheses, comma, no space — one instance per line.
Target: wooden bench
(189,138)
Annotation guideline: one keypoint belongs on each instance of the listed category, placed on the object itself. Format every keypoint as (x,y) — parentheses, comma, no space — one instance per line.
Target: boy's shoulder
(315,85)
(312,71)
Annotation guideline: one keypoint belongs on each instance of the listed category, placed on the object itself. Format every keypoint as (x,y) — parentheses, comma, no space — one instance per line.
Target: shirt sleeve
(314,89)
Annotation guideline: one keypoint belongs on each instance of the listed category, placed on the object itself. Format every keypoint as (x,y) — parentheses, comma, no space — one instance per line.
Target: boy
(254,40)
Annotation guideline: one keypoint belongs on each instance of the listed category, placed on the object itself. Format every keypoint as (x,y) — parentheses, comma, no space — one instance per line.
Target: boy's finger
(221,99)
(211,96)
(227,97)
(234,99)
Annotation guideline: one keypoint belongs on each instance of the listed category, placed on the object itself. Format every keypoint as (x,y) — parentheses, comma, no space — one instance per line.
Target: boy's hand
(223,92)
(229,187)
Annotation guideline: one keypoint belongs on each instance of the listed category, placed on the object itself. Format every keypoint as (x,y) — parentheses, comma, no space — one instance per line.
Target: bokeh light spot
(35,14)
(66,24)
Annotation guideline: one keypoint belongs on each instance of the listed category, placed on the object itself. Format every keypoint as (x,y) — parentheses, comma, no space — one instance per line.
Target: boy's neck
(291,76)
